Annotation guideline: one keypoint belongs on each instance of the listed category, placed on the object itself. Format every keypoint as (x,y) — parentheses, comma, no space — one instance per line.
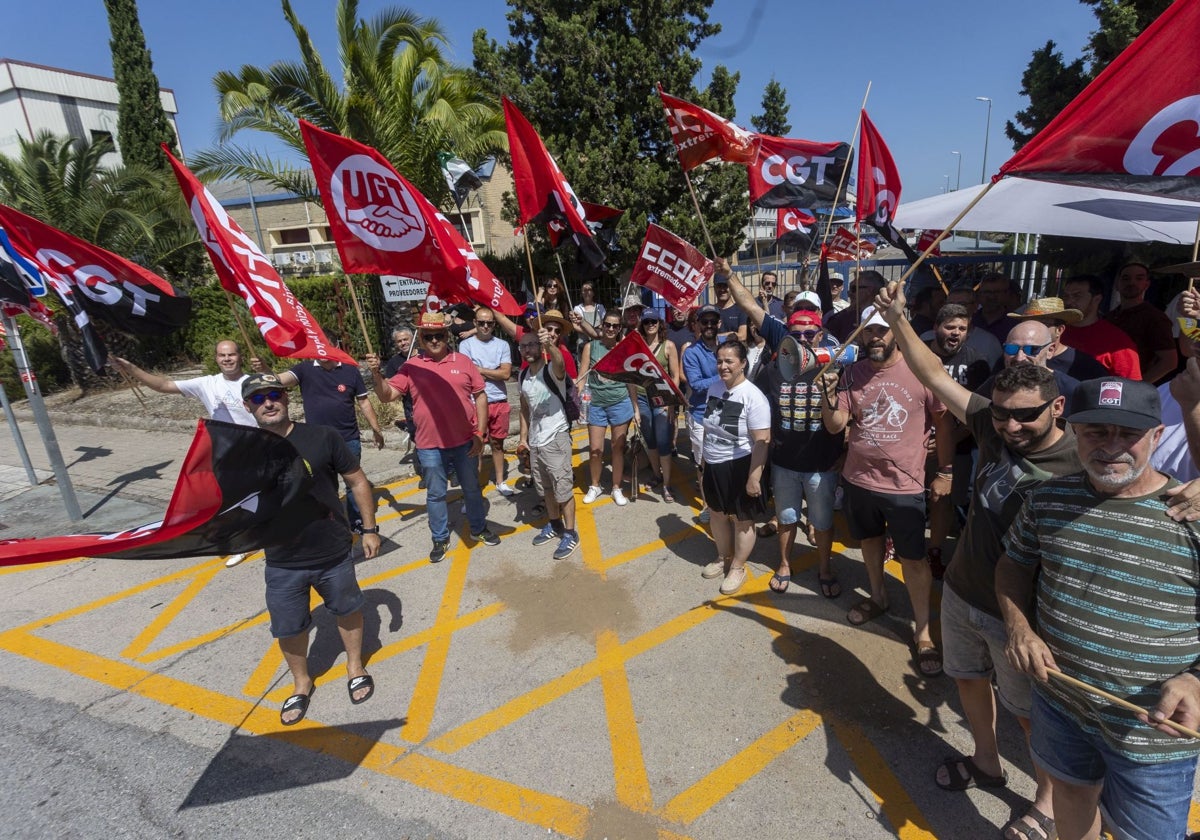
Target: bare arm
(368,410)
(153,381)
(835,419)
(507,324)
(360,486)
(287,379)
(1185,388)
(500,374)
(742,296)
(673,364)
(760,439)
(1014,589)
(383,388)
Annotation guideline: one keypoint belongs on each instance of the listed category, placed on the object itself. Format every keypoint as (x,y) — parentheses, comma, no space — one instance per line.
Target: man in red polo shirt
(450,409)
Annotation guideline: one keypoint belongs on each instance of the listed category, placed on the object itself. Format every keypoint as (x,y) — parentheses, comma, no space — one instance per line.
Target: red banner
(794,228)
(700,135)
(926,239)
(383,225)
(287,327)
(796,173)
(845,246)
(673,268)
(878,178)
(631,362)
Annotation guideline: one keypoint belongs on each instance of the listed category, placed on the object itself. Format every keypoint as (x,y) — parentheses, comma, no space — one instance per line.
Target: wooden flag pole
(562,278)
(699,215)
(133,387)
(845,169)
(362,324)
(237,320)
(532,277)
(1117,701)
(912,268)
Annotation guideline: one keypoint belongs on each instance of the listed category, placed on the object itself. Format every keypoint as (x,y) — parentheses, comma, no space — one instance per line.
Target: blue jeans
(656,426)
(1139,801)
(434,463)
(352,514)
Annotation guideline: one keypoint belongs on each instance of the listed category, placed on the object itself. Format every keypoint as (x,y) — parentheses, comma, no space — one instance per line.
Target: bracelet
(374,530)
(941,474)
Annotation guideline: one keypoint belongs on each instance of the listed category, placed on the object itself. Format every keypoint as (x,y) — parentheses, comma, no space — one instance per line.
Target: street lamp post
(958,177)
(946,188)
(986,131)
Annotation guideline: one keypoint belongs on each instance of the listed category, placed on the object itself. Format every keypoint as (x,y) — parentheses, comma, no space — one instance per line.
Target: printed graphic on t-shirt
(998,481)
(884,414)
(723,414)
(799,407)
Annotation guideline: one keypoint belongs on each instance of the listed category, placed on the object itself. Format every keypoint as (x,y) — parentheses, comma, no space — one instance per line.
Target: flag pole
(532,277)
(241,327)
(563,279)
(912,268)
(699,215)
(362,324)
(845,169)
(1118,701)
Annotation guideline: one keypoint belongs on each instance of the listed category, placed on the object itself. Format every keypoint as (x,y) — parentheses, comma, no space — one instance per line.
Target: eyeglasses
(1021,415)
(606,325)
(485,323)
(261,397)
(1027,349)
(437,336)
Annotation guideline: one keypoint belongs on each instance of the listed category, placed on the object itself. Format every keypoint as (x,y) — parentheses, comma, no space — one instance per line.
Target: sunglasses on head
(1021,415)
(262,396)
(1027,349)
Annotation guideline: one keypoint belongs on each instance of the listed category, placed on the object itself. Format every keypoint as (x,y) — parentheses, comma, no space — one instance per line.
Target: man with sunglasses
(552,320)
(862,291)
(1031,342)
(452,419)
(766,297)
(699,365)
(1021,443)
(493,357)
(318,556)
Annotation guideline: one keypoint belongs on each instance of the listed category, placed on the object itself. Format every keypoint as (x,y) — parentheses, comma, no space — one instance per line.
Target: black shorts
(725,490)
(900,515)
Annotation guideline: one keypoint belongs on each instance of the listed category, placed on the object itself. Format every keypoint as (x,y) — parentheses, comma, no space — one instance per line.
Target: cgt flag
(700,135)
(796,173)
(383,225)
(287,327)
(878,183)
(543,194)
(632,362)
(673,268)
(793,229)
(240,488)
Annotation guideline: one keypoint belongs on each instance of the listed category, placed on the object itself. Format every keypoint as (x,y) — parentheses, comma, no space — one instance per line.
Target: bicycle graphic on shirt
(884,411)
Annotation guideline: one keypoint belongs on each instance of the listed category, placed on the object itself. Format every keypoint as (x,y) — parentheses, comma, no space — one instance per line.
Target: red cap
(806,317)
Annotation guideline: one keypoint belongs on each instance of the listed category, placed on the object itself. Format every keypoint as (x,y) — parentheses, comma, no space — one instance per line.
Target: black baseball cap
(1116,401)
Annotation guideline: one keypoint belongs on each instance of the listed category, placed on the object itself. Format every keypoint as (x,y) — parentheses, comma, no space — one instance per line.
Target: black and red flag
(1134,128)
(240,488)
(632,362)
(700,135)
(672,267)
(382,224)
(796,173)
(601,221)
(794,229)
(543,194)
(878,186)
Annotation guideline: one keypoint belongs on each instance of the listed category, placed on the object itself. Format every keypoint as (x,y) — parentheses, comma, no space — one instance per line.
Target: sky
(925,62)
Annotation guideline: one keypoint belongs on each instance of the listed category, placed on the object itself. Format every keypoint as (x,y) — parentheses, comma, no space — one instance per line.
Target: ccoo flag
(670,266)
(700,135)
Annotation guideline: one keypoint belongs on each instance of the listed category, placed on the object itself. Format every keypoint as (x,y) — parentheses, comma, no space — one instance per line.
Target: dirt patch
(612,821)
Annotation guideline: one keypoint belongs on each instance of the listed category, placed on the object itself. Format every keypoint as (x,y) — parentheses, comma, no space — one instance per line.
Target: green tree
(141,122)
(398,94)
(1049,84)
(773,119)
(1120,22)
(584,74)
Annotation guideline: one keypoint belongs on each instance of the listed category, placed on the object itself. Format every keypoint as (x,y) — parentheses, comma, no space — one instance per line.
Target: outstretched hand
(890,303)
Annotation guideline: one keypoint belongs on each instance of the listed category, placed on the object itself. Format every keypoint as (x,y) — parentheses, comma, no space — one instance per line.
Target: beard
(1031,442)
(880,352)
(1102,469)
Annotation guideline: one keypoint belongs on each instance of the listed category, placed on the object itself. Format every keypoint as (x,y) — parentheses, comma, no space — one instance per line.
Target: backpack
(570,401)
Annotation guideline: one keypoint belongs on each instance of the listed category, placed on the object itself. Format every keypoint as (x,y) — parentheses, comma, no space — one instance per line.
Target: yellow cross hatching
(429,762)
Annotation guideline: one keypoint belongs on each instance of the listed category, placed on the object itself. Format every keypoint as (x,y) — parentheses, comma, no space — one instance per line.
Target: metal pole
(254,215)
(958,177)
(38,407)
(17,439)
(986,131)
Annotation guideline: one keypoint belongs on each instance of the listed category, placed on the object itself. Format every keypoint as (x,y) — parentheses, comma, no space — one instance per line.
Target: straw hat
(432,321)
(1049,308)
(556,317)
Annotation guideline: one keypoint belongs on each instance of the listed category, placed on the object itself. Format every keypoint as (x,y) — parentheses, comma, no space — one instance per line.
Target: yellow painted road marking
(163,620)
(629,766)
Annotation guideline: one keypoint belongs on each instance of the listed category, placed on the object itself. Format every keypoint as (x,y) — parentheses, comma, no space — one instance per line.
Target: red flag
(671,267)
(383,225)
(793,228)
(878,178)
(844,246)
(601,221)
(287,327)
(796,173)
(240,488)
(926,239)
(543,194)
(700,135)
(632,362)
(1134,128)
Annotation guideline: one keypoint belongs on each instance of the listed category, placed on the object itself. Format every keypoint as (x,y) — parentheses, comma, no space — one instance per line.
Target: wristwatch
(374,530)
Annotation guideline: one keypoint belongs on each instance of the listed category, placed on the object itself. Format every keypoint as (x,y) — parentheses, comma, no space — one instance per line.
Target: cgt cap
(1115,401)
(256,382)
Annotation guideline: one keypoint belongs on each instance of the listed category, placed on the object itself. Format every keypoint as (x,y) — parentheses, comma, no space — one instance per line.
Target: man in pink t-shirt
(450,409)
(889,414)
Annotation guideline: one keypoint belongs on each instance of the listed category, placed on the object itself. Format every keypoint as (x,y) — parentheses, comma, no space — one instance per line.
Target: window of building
(293,236)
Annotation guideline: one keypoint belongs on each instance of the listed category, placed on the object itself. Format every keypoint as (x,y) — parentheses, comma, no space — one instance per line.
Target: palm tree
(399,94)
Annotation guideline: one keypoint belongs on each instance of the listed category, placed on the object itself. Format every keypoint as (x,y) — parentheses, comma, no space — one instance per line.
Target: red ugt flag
(700,135)
(287,327)
(1134,128)
(383,225)
(878,178)
(631,361)
(671,267)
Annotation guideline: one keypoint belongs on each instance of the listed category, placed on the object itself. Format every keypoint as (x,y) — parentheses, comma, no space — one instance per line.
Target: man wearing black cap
(1117,581)
(318,556)
(733,319)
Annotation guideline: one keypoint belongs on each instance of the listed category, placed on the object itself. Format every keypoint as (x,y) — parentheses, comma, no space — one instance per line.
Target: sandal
(830,587)
(929,659)
(767,529)
(359,683)
(296,701)
(668,496)
(780,583)
(965,774)
(865,611)
(1042,828)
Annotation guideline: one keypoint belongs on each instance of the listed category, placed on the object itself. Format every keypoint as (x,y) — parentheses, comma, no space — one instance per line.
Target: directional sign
(399,289)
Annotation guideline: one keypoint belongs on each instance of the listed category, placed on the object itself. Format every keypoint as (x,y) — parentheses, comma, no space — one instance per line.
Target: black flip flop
(296,701)
(358,683)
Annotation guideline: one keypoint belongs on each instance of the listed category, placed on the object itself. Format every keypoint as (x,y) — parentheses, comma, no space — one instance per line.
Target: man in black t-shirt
(318,555)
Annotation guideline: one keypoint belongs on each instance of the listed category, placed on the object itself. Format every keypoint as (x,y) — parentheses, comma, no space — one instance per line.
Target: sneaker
(505,490)
(235,559)
(714,569)
(566,545)
(592,494)
(546,535)
(619,497)
(704,516)
(438,554)
(422,484)
(486,537)
(733,581)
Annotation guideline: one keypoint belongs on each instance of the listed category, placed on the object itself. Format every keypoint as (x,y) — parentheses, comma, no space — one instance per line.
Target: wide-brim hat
(256,382)
(1048,308)
(556,317)
(632,301)
(433,321)
(1112,400)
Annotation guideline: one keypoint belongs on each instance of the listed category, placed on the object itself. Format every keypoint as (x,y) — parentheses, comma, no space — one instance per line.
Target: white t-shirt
(222,397)
(1172,455)
(729,416)
(594,317)
(488,355)
(547,417)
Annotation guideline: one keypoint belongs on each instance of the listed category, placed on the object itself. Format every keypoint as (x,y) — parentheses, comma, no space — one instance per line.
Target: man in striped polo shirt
(1117,583)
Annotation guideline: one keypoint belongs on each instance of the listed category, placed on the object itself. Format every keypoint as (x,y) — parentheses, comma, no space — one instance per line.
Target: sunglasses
(709,322)
(437,336)
(261,397)
(485,323)
(1027,349)
(807,334)
(1021,415)
(606,325)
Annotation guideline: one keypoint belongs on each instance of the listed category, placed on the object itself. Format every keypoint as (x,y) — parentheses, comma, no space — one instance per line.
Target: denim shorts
(792,488)
(973,649)
(610,415)
(1139,801)
(288,595)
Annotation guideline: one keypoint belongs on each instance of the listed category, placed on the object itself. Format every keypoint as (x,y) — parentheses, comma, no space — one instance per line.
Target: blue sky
(926,61)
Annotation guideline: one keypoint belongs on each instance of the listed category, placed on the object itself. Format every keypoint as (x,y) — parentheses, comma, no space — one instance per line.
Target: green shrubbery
(45,358)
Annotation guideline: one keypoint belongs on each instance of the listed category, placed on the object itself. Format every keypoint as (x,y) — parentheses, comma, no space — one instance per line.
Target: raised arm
(383,388)
(741,295)
(153,381)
